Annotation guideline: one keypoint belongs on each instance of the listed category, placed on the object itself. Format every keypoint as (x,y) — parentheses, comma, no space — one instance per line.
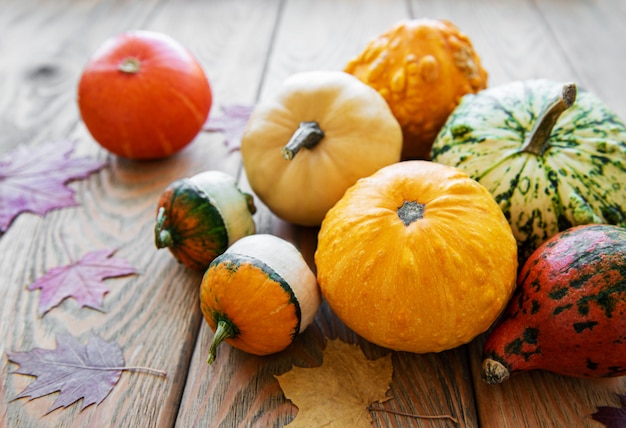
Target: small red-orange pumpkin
(143,96)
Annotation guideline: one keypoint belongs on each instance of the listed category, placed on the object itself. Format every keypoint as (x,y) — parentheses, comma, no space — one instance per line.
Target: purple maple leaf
(34,179)
(232,123)
(81,280)
(612,417)
(76,371)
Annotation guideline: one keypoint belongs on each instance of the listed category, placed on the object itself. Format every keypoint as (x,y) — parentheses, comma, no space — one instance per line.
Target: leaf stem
(145,369)
(411,415)
(123,368)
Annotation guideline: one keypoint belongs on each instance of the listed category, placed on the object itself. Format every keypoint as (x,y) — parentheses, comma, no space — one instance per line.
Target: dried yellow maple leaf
(337,393)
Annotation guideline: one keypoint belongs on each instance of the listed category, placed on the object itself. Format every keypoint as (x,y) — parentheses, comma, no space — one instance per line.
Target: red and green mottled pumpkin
(198,218)
(568,314)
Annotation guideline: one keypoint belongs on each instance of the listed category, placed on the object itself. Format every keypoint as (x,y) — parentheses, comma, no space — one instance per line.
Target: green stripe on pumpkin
(232,261)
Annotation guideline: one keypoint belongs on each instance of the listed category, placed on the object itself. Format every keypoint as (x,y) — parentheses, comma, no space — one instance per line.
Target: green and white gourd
(199,217)
(552,157)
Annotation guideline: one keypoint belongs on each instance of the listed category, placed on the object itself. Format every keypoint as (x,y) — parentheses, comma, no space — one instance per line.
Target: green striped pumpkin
(553,157)
(198,218)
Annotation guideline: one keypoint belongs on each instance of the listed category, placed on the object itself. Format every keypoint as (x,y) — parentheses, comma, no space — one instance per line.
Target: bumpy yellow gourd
(422,68)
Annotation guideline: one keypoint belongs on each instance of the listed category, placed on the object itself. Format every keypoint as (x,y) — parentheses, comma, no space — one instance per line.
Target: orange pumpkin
(417,257)
(258,295)
(422,68)
(143,96)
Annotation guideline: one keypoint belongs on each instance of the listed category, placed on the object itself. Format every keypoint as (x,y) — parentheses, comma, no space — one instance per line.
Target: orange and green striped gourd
(198,218)
(258,295)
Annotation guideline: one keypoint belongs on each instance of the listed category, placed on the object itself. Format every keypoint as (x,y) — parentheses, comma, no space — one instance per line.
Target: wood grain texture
(154,316)
(541,399)
(248,47)
(511,37)
(591,34)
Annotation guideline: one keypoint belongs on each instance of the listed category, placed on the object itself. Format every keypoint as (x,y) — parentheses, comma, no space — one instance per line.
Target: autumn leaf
(612,417)
(345,384)
(34,179)
(231,123)
(74,370)
(82,280)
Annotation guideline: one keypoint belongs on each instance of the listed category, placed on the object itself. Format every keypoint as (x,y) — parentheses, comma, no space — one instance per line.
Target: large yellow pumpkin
(417,257)
(422,68)
(320,132)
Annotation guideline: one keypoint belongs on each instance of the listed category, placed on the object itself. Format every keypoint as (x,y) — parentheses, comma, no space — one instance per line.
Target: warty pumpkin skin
(552,156)
(342,130)
(198,218)
(258,295)
(417,257)
(422,68)
(568,314)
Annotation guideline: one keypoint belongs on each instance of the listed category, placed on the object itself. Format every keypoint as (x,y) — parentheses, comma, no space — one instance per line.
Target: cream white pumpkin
(312,139)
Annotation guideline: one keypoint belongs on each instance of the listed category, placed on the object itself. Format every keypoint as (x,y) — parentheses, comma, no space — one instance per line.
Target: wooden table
(247,48)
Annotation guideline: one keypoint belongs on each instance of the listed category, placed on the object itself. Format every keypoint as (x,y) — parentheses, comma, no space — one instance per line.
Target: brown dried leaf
(338,392)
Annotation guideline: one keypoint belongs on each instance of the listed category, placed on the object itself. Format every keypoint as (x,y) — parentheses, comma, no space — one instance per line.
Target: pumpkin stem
(537,141)
(411,211)
(129,65)
(494,371)
(225,330)
(162,237)
(250,202)
(307,135)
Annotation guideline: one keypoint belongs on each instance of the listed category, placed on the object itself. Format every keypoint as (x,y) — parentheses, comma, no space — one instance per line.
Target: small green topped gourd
(199,217)
(553,156)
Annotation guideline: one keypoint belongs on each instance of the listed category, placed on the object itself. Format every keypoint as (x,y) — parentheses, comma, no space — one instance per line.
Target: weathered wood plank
(586,37)
(542,399)
(591,34)
(154,316)
(510,37)
(44,46)
(247,48)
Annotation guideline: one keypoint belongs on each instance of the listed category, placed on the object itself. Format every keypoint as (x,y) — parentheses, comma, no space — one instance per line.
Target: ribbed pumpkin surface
(417,257)
(580,178)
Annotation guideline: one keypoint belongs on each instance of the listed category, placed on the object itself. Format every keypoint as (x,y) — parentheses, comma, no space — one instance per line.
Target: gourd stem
(307,135)
(250,202)
(537,141)
(162,237)
(494,371)
(225,330)
(129,65)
